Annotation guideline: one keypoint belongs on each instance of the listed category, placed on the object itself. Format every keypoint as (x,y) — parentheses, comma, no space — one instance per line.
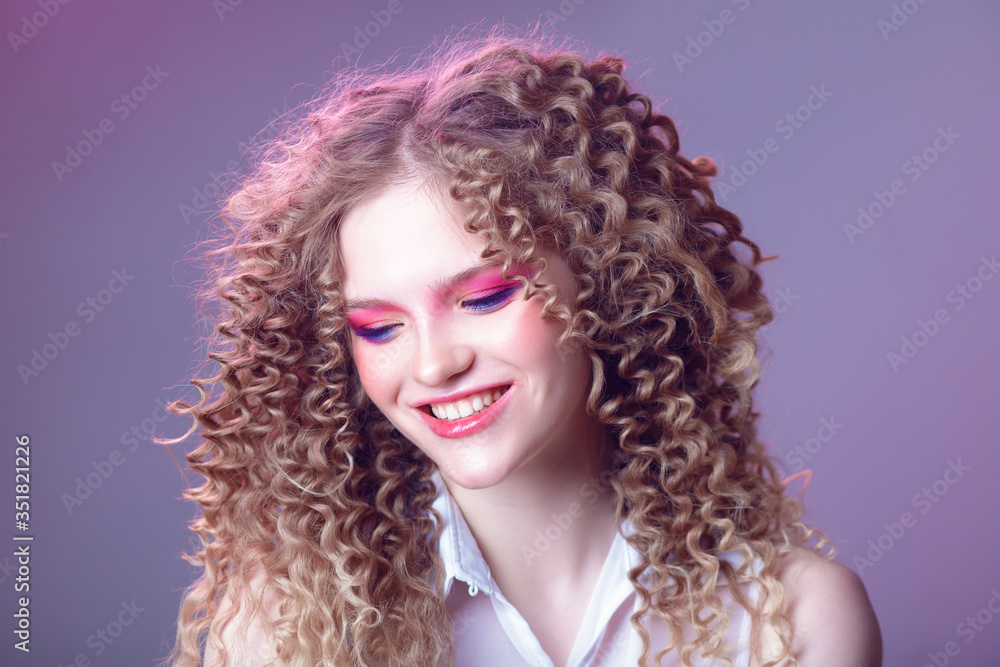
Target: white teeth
(466,406)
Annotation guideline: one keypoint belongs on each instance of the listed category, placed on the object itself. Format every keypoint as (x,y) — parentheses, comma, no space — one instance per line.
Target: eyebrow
(439,286)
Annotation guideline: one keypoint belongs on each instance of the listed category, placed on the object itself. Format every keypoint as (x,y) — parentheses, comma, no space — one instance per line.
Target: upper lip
(454,396)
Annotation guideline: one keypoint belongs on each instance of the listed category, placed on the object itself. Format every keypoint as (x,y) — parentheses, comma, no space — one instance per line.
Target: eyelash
(478,305)
(491,301)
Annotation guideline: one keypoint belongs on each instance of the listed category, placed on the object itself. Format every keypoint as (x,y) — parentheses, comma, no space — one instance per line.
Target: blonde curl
(309,489)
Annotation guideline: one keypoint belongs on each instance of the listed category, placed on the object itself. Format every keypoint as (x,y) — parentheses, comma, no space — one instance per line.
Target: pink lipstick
(465,426)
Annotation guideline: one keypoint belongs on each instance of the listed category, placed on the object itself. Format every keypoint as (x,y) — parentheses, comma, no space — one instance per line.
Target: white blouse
(490,632)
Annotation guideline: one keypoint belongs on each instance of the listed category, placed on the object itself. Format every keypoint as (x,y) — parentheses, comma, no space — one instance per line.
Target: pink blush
(372,377)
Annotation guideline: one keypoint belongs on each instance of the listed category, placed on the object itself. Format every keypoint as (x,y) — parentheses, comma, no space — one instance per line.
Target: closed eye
(479,305)
(376,334)
(491,301)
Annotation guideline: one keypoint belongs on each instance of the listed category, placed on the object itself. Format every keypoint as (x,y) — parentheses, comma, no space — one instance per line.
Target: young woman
(485,394)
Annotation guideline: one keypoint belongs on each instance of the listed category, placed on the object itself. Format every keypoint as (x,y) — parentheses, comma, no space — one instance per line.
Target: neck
(549,524)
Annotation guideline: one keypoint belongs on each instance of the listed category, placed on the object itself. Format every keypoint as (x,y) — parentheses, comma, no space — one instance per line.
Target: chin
(473,479)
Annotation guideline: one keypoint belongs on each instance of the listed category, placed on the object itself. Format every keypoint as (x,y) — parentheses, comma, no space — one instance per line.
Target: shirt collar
(464,561)
(461,555)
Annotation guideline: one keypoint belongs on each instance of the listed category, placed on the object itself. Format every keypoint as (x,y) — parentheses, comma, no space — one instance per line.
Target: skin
(835,625)
(535,459)
(829,609)
(432,344)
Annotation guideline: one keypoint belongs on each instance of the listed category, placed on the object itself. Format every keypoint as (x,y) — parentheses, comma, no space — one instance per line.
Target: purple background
(846,303)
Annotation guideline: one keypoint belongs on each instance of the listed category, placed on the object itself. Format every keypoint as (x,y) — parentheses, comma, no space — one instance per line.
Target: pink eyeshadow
(494,278)
(488,279)
(360,318)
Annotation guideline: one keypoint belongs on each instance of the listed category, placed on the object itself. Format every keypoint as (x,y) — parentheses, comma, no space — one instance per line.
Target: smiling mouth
(467,406)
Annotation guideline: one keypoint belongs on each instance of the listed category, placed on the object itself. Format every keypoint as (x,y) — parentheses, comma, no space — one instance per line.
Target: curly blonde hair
(311,490)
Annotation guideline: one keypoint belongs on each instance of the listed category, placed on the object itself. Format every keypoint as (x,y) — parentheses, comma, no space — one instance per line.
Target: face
(452,354)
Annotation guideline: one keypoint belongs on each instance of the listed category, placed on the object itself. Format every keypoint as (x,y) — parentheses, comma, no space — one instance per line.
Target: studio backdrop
(857,141)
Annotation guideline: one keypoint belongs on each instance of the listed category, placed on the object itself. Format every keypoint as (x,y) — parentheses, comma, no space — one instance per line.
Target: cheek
(375,370)
(563,372)
(532,340)
(382,367)
(365,369)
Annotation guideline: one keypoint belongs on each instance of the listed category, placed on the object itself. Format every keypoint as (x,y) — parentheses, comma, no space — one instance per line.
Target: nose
(439,353)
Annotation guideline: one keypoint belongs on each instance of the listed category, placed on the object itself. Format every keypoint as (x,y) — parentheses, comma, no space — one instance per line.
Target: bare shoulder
(250,647)
(832,618)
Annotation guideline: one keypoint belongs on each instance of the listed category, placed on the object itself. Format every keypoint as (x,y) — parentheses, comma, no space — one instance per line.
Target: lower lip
(474,423)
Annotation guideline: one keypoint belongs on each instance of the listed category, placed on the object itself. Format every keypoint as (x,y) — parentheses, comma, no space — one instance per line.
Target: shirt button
(473,589)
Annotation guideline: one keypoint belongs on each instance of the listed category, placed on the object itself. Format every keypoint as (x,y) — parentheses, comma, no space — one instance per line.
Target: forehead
(407,234)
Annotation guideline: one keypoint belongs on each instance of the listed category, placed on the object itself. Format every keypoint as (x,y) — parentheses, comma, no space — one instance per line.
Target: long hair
(311,493)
